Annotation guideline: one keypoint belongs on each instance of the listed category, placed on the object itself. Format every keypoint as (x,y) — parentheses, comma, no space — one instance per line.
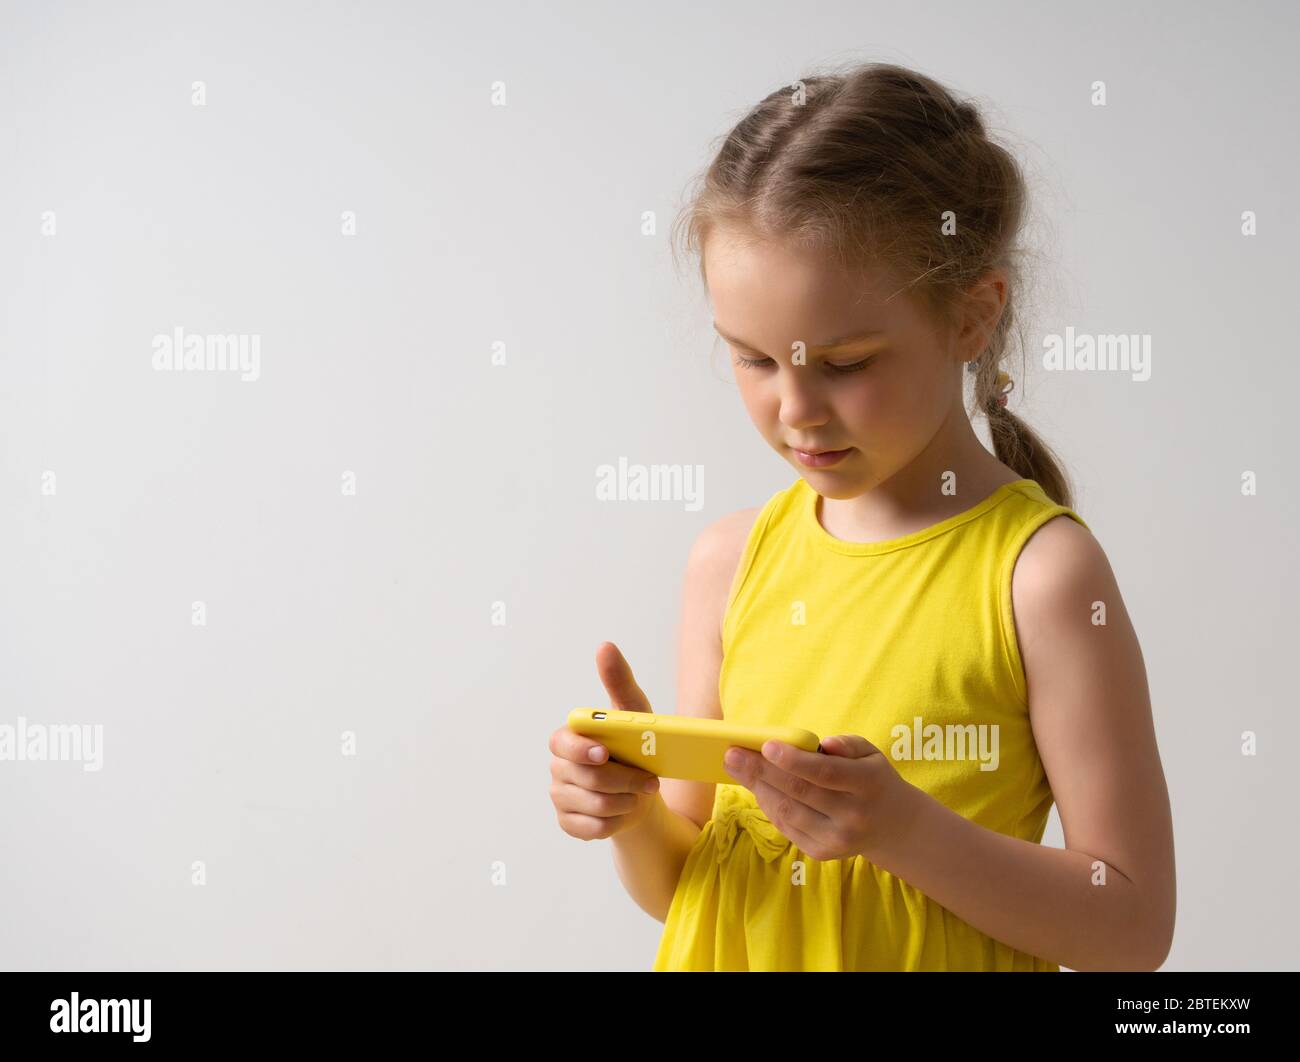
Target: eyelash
(758,363)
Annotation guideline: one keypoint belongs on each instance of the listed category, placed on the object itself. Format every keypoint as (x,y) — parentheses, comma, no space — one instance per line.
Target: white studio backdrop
(455,304)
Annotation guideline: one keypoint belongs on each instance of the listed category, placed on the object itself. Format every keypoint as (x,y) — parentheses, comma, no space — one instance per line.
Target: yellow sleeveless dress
(887,640)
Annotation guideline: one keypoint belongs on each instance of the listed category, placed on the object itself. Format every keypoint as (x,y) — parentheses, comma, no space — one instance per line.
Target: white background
(475,484)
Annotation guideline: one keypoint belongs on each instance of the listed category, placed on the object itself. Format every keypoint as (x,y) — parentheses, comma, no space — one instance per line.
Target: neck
(913,497)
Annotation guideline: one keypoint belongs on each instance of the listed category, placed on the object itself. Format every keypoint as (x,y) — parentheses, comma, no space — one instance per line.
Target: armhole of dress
(746,562)
(1006,611)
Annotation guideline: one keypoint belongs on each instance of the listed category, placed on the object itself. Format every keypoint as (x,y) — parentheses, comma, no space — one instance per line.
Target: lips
(821,458)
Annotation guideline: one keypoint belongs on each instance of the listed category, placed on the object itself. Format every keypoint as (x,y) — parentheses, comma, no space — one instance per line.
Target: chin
(840,491)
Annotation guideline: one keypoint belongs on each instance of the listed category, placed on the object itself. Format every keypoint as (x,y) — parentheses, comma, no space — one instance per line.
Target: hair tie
(1005,385)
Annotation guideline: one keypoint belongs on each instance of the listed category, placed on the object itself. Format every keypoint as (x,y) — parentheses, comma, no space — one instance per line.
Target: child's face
(768,298)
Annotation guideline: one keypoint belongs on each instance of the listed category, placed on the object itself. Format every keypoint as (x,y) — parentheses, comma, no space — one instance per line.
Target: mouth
(820,458)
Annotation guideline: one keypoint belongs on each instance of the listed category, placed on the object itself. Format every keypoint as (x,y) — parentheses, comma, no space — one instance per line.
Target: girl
(939,615)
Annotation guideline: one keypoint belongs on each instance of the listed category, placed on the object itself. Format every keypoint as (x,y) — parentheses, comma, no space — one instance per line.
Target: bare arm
(1091,715)
(650,857)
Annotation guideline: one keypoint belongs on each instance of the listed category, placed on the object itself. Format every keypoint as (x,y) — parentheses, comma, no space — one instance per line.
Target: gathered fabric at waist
(786,910)
(735,809)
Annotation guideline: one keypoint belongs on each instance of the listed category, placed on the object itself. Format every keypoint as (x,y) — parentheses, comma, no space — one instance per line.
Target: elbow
(1141,945)
(1128,956)
(1160,922)
(1150,925)
(1146,959)
(1149,960)
(1161,945)
(1145,949)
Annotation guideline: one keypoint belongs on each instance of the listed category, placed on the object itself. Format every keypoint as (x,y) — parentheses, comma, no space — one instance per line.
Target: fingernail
(596,753)
(651,785)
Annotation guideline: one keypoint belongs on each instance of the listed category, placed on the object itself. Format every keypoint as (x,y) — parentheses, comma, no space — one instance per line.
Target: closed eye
(762,363)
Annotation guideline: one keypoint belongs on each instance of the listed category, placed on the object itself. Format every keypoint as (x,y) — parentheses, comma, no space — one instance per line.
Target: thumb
(850,746)
(616,673)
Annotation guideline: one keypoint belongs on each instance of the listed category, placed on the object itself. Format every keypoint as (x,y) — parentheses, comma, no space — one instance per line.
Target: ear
(981,311)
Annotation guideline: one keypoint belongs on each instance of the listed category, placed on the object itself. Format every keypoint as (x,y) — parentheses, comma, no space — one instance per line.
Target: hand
(848,803)
(593,797)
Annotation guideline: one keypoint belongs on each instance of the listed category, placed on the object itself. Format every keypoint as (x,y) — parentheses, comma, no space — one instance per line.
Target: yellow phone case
(679,746)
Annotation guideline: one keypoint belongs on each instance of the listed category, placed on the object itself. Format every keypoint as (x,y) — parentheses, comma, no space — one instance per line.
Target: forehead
(748,277)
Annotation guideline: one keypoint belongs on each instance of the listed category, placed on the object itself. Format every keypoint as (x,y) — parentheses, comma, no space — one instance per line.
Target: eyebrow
(833,345)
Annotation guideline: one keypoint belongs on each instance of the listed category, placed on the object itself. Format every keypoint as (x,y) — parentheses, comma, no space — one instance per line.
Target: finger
(793,818)
(586,827)
(832,768)
(605,777)
(757,768)
(854,746)
(616,674)
(570,745)
(579,801)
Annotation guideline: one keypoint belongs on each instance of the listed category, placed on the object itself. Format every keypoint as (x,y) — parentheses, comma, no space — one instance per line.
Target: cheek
(871,403)
(886,414)
(761,402)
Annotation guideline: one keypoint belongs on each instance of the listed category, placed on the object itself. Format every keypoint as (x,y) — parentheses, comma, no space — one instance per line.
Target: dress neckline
(810,520)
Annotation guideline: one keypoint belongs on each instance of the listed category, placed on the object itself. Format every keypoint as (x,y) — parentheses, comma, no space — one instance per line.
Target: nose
(802,406)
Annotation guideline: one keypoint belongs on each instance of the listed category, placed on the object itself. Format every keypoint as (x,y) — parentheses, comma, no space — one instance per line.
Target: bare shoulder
(730,530)
(725,538)
(1067,608)
(1061,558)
(715,556)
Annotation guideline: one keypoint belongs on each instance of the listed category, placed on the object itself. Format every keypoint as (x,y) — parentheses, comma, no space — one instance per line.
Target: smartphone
(680,746)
